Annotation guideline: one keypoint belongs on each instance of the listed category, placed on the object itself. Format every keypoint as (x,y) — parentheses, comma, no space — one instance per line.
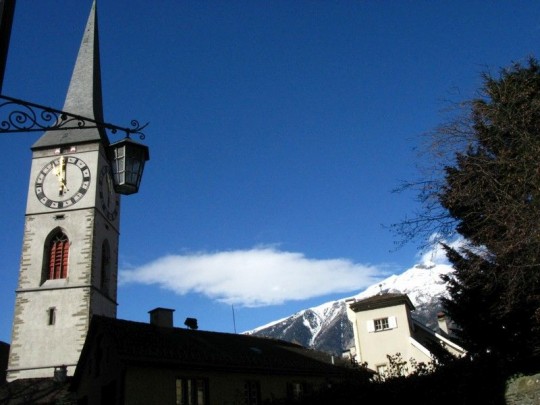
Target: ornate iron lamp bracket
(23,116)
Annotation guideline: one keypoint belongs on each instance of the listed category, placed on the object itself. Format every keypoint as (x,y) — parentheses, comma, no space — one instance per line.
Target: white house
(383,326)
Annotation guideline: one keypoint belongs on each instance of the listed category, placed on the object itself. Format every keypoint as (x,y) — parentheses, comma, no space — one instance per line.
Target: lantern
(127,161)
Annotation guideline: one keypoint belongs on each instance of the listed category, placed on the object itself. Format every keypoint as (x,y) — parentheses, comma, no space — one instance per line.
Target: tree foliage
(489,194)
(461,381)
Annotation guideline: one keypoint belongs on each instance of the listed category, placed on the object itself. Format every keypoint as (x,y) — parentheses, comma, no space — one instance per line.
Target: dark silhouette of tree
(493,194)
(489,194)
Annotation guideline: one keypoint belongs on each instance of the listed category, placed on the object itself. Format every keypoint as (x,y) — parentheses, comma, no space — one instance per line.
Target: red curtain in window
(58,259)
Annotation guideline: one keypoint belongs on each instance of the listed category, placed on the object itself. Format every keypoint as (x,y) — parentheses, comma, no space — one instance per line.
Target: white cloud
(436,254)
(255,277)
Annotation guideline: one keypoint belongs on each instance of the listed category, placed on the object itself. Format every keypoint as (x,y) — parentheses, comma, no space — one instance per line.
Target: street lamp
(126,157)
(127,161)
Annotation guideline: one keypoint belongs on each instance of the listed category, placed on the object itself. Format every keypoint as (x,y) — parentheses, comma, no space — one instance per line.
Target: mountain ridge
(326,326)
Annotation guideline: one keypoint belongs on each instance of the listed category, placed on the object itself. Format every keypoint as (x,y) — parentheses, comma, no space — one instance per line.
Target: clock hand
(109,189)
(61,174)
(58,174)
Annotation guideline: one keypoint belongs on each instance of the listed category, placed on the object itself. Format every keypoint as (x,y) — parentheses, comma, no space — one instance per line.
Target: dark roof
(427,338)
(142,343)
(382,301)
(36,391)
(4,354)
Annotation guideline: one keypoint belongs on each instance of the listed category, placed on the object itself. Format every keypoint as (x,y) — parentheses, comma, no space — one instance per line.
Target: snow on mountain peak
(326,326)
(421,283)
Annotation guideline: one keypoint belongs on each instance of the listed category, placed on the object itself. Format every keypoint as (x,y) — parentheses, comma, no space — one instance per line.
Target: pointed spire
(84,93)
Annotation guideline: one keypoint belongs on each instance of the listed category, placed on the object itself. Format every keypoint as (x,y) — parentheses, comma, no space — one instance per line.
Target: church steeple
(69,261)
(84,95)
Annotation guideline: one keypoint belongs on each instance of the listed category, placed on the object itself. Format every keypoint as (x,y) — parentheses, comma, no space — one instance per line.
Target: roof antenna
(233,318)
(191,323)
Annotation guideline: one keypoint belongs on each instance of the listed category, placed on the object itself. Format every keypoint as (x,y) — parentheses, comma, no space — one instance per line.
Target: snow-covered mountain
(326,326)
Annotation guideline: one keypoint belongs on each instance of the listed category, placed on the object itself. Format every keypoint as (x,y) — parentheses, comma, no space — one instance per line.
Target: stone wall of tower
(37,345)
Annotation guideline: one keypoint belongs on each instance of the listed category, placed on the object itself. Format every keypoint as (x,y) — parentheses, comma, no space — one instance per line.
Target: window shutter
(392,322)
(52,260)
(370,326)
(65,251)
(58,257)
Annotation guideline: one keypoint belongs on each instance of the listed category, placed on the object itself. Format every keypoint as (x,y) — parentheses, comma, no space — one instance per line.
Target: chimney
(60,374)
(441,320)
(161,317)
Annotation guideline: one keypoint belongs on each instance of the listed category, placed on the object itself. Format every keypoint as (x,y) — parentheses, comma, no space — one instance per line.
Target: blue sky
(278,130)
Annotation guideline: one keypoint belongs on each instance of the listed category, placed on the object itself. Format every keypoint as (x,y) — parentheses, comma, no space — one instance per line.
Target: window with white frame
(381,324)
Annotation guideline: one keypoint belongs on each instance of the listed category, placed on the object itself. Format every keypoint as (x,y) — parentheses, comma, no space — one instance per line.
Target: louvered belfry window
(58,259)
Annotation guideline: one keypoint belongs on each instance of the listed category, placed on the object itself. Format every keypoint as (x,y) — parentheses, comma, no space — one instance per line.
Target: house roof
(36,391)
(147,344)
(435,342)
(382,301)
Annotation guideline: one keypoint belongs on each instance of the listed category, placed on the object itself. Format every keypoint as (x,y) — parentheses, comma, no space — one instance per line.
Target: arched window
(105,266)
(58,256)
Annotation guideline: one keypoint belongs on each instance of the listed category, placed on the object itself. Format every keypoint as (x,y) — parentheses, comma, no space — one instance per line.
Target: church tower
(68,268)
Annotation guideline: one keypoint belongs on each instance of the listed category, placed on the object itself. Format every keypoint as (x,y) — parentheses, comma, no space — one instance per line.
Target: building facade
(383,326)
(126,362)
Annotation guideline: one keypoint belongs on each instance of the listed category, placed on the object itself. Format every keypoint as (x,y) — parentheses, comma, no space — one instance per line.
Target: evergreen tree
(491,192)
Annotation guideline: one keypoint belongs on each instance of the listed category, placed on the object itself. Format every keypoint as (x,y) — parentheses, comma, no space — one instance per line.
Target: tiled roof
(381,301)
(137,342)
(36,391)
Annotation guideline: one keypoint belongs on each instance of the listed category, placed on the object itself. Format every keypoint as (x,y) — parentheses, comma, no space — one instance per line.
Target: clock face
(107,196)
(62,182)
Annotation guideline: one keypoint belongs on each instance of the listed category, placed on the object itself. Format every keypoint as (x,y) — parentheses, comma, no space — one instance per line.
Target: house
(126,362)
(383,326)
